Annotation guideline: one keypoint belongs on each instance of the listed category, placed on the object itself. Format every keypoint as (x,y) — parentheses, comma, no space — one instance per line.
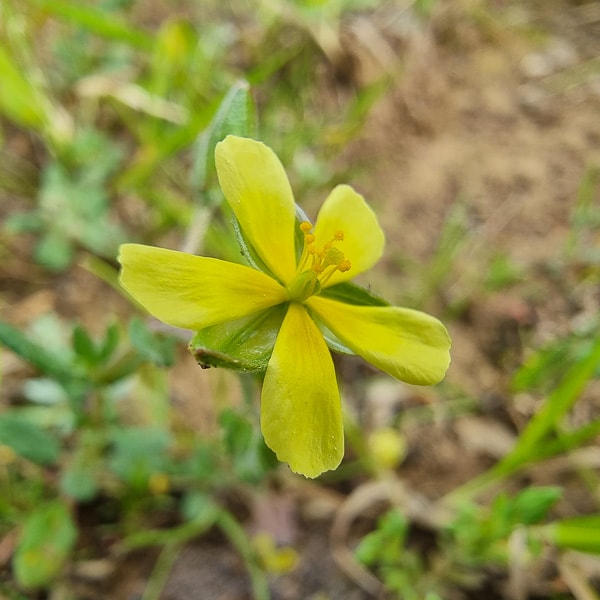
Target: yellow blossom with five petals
(301,414)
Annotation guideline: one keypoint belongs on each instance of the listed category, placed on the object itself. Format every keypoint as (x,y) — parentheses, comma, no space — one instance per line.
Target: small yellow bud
(387,447)
(275,560)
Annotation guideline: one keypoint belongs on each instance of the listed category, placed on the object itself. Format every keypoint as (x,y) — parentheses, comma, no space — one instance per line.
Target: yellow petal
(194,292)
(345,210)
(301,414)
(258,191)
(408,344)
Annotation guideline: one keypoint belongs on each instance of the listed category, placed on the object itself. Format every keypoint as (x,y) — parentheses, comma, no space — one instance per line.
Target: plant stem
(237,536)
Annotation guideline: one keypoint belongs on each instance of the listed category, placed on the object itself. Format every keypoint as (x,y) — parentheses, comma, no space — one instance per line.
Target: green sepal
(241,345)
(351,293)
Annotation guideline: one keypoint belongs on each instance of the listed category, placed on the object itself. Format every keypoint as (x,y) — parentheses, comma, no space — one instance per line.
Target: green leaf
(28,440)
(200,508)
(558,403)
(19,100)
(83,345)
(79,482)
(532,504)
(234,116)
(44,545)
(36,355)
(155,347)
(578,533)
(243,442)
(176,47)
(241,345)
(54,251)
(103,23)
(80,477)
(138,453)
(110,342)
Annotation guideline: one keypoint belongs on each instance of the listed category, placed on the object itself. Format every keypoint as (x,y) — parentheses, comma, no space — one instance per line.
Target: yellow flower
(301,415)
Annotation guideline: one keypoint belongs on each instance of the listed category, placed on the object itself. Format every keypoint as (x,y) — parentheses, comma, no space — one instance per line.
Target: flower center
(316,265)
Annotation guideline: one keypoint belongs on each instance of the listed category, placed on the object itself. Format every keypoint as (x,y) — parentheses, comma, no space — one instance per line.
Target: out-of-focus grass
(119,112)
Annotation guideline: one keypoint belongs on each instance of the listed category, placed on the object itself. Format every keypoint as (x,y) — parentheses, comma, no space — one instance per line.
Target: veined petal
(301,413)
(194,292)
(257,189)
(408,344)
(347,211)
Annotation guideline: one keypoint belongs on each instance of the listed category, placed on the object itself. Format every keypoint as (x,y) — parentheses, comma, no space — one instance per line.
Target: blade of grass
(237,536)
(19,100)
(557,405)
(530,445)
(97,21)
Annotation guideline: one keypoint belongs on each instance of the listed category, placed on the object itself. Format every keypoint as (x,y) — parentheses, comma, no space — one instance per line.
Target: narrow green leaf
(579,533)
(110,342)
(558,403)
(532,504)
(155,347)
(246,447)
(234,116)
(98,21)
(19,100)
(83,345)
(44,545)
(28,439)
(36,355)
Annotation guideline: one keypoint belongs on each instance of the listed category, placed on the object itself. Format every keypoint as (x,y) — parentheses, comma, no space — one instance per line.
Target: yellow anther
(344,265)
(316,265)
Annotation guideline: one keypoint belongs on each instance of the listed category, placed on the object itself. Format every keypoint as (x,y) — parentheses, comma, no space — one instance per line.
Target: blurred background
(473,129)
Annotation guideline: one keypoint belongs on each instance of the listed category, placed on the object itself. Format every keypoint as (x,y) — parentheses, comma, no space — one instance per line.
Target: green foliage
(477,537)
(45,542)
(578,533)
(137,453)
(243,442)
(543,369)
(73,203)
(19,99)
(502,272)
(401,568)
(480,534)
(28,440)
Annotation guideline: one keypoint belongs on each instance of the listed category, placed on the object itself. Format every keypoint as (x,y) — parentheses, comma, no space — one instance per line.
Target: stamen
(317,265)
